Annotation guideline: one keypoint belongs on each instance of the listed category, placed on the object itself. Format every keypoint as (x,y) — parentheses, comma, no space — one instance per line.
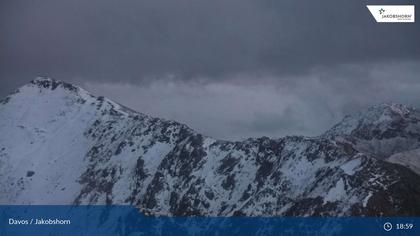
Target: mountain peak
(49,83)
(382,130)
(381,113)
(43,78)
(391,108)
(378,117)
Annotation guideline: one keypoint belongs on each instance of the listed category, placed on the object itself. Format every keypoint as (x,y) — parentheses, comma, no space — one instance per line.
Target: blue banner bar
(127,220)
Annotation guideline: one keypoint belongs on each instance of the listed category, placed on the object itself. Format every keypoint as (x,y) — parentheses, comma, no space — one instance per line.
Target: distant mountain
(61,145)
(387,131)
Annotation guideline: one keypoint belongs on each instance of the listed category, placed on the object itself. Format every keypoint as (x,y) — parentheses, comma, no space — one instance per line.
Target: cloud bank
(232,68)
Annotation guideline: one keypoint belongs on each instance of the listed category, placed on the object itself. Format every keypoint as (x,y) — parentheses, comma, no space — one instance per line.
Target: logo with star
(381,11)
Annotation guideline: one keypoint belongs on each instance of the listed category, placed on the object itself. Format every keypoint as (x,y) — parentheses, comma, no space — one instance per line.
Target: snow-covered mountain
(61,145)
(387,131)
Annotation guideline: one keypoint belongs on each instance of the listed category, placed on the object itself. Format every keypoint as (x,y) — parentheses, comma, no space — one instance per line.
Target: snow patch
(410,159)
(336,193)
(366,199)
(350,167)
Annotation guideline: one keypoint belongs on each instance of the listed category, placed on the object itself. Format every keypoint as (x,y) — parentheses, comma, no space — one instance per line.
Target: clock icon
(387,226)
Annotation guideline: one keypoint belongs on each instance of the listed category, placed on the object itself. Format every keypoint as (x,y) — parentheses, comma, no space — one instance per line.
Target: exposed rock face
(381,130)
(61,145)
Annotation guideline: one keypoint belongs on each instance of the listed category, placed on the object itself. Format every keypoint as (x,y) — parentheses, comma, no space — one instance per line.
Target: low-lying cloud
(308,106)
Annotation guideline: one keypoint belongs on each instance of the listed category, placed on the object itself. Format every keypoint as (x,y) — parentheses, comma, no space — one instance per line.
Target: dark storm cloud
(106,40)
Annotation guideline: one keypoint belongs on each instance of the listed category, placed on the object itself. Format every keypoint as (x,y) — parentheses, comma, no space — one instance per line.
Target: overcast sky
(228,68)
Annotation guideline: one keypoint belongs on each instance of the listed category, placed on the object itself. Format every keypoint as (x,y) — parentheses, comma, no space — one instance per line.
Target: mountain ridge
(83,149)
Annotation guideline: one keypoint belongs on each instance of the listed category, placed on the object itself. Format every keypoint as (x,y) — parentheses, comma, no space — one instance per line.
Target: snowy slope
(387,131)
(42,145)
(61,145)
(410,159)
